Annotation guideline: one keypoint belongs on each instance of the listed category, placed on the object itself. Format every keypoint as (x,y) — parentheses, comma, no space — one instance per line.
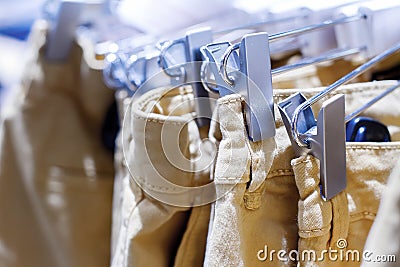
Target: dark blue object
(20,31)
(364,129)
(110,127)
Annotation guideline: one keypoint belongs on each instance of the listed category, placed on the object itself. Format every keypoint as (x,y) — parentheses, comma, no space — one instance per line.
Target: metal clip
(325,138)
(70,14)
(114,74)
(212,53)
(252,80)
(144,72)
(129,72)
(381,23)
(190,69)
(194,41)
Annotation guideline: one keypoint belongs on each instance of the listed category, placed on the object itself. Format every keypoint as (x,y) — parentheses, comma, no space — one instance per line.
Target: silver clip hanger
(219,55)
(251,69)
(70,14)
(324,138)
(190,69)
(191,44)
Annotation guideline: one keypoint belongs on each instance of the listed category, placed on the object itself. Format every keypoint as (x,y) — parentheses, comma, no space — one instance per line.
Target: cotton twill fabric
(327,73)
(330,225)
(384,239)
(55,176)
(242,222)
(157,127)
(286,211)
(249,222)
(317,75)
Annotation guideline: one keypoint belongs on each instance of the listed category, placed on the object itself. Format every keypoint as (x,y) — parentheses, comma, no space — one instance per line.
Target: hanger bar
(322,25)
(169,44)
(257,24)
(361,69)
(370,103)
(336,54)
(292,33)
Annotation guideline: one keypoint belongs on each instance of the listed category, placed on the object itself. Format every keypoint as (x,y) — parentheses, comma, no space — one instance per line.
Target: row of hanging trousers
(56,177)
(176,194)
(270,199)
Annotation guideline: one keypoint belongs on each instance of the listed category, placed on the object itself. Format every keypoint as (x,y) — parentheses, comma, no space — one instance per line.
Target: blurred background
(43,175)
(155,18)
(17,16)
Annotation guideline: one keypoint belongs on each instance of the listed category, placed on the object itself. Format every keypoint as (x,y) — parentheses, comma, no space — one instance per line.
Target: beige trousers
(149,230)
(383,243)
(274,211)
(268,200)
(55,176)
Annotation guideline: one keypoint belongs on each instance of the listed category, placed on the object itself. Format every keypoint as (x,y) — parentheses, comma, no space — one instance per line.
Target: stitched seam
(314,230)
(232,100)
(278,173)
(163,92)
(250,196)
(159,95)
(303,161)
(145,101)
(166,121)
(156,187)
(338,201)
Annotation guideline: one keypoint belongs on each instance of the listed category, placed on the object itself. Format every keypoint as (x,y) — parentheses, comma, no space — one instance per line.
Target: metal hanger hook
(163,55)
(295,132)
(203,78)
(224,63)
